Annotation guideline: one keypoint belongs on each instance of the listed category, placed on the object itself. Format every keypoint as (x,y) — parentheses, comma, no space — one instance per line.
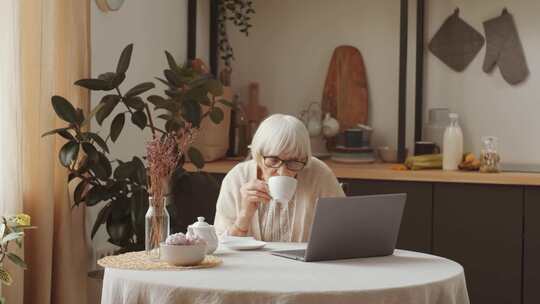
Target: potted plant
(11,230)
(124,190)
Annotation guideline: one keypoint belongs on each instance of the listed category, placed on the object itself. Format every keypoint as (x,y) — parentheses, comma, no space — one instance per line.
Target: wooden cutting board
(345,93)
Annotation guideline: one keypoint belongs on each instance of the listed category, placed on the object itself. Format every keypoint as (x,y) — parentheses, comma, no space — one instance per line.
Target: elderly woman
(280,146)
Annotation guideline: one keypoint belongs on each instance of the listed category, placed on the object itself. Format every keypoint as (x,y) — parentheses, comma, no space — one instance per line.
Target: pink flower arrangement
(182,239)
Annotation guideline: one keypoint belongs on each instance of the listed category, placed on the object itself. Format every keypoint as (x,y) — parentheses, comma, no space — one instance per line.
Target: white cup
(282,188)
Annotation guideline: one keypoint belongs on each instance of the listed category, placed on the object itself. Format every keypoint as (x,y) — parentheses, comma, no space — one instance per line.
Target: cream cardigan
(314,181)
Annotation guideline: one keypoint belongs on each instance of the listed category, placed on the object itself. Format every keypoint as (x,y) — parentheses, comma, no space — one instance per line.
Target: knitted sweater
(314,181)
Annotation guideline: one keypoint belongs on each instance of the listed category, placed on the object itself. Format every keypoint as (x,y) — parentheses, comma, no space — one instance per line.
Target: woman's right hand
(252,193)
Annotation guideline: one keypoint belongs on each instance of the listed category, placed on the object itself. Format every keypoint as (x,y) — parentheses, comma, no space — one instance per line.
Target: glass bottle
(437,122)
(157,226)
(452,144)
(489,155)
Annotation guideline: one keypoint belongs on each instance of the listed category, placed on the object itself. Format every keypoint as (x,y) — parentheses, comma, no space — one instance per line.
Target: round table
(259,277)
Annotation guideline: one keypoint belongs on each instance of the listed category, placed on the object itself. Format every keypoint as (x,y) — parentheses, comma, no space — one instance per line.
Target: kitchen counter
(381,171)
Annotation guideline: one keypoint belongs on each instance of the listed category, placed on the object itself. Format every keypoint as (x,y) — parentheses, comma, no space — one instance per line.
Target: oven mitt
(504,49)
(456,43)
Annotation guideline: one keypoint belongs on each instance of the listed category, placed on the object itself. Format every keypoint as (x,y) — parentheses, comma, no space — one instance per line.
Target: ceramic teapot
(206,232)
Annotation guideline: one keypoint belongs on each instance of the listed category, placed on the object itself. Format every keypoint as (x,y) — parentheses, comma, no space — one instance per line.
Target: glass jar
(157,226)
(436,125)
(489,155)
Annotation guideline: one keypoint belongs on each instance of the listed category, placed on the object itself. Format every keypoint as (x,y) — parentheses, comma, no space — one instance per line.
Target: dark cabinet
(531,255)
(416,225)
(480,227)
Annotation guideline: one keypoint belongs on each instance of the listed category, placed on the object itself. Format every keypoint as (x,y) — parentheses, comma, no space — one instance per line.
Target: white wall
(291,43)
(153,27)
(487,105)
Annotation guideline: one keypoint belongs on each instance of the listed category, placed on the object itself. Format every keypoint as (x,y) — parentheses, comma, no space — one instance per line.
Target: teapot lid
(200,223)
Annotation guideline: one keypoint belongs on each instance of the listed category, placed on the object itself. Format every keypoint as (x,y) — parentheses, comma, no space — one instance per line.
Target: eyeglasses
(276,162)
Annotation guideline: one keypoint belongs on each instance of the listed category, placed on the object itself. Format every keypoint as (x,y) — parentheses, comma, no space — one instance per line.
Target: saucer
(242,243)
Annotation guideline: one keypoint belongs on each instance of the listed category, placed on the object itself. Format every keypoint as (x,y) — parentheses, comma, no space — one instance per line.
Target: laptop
(352,227)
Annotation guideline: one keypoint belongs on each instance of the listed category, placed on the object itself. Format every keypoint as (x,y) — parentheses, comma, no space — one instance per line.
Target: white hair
(281,134)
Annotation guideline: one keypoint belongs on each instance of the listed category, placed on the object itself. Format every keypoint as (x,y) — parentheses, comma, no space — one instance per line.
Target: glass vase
(157,226)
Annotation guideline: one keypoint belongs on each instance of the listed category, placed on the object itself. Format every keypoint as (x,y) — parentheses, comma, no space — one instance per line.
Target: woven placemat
(140,261)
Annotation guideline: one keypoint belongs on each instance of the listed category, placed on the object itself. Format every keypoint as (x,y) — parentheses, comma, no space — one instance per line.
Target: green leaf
(171,61)
(64,109)
(139,89)
(165,82)
(65,134)
(173,93)
(89,149)
(172,78)
(156,100)
(53,132)
(80,116)
(109,78)
(95,195)
(117,125)
(5,277)
(120,208)
(119,230)
(197,94)
(105,165)
(216,115)
(172,126)
(110,102)
(99,141)
(140,171)
(139,119)
(78,193)
(124,171)
(135,102)
(227,103)
(68,153)
(196,157)
(118,79)
(125,58)
(205,101)
(98,170)
(191,111)
(214,87)
(93,84)
(102,217)
(169,105)
(12,236)
(16,260)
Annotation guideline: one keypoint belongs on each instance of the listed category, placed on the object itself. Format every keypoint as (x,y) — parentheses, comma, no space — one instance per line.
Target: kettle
(206,232)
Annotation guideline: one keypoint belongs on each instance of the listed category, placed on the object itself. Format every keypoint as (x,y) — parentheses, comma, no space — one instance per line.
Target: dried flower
(163,155)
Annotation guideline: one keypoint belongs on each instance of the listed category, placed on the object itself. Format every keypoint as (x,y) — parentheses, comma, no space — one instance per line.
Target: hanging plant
(239,12)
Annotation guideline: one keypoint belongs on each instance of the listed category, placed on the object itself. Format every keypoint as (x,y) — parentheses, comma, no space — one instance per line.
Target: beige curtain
(54,54)
(10,135)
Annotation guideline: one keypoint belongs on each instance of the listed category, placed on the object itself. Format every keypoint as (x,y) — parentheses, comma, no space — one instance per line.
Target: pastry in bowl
(182,250)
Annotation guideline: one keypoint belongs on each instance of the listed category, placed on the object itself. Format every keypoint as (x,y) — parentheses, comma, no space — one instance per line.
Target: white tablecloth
(259,277)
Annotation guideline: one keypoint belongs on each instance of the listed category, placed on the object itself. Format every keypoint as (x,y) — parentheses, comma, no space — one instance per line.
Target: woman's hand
(252,193)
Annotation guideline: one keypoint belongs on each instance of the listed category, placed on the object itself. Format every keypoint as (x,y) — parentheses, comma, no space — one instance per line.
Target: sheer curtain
(10,129)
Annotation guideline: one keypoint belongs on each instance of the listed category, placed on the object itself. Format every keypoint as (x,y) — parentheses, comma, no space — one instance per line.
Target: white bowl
(182,255)
(388,155)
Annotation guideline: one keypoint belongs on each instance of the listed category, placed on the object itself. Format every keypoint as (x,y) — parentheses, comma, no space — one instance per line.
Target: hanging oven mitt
(504,49)
(456,43)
